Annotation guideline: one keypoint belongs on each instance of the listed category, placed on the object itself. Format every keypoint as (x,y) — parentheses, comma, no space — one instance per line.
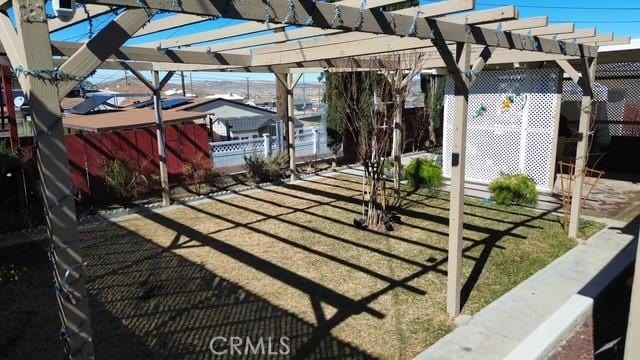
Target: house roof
(247,123)
(215,103)
(126,119)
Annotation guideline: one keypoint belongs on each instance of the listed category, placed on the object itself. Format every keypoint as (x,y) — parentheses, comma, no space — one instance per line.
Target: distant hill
(203,88)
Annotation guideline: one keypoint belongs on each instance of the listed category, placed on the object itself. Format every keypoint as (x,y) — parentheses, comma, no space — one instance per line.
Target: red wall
(138,148)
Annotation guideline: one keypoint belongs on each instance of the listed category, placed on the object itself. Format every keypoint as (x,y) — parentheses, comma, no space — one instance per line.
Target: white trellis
(511,125)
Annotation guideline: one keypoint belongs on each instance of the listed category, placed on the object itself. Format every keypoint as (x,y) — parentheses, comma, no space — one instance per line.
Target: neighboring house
(265,102)
(237,121)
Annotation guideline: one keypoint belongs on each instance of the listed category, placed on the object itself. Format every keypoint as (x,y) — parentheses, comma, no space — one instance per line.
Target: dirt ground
(611,198)
(284,261)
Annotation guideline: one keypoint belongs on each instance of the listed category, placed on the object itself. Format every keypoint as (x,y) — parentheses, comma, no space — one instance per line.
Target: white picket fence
(232,153)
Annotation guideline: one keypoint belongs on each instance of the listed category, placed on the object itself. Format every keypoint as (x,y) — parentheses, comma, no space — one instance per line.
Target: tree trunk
(396,151)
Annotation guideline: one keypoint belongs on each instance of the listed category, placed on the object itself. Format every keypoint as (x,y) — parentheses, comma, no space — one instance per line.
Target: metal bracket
(35,11)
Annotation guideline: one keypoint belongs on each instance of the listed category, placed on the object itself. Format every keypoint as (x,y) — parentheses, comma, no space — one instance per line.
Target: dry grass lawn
(383,293)
(287,261)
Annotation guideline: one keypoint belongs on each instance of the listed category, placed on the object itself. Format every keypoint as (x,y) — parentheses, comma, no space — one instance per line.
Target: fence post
(267,144)
(278,135)
(315,141)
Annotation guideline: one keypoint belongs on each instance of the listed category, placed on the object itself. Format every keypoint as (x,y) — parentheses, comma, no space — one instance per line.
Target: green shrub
(9,159)
(261,169)
(423,173)
(126,183)
(514,189)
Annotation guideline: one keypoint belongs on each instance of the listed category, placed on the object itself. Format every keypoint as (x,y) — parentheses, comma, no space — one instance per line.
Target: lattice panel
(511,124)
(622,108)
(237,145)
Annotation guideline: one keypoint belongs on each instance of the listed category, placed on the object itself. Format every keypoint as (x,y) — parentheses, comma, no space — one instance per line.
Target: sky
(622,17)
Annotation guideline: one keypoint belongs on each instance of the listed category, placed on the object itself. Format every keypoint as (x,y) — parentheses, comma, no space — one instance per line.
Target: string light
(291,13)
(414,24)
(267,11)
(54,75)
(337,16)
(309,21)
(363,6)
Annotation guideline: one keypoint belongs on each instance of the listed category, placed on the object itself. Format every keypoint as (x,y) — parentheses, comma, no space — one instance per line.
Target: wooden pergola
(332,34)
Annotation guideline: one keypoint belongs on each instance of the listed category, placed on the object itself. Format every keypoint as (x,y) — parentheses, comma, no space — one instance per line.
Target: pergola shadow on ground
(461,44)
(287,261)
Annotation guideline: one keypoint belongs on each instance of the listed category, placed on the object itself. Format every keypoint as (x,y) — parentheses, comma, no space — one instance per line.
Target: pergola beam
(218,34)
(133,53)
(471,18)
(323,15)
(374,45)
(431,10)
(88,58)
(12,46)
(578,34)
(80,16)
(616,41)
(169,23)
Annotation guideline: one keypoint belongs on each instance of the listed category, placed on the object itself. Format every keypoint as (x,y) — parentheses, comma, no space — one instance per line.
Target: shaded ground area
(283,261)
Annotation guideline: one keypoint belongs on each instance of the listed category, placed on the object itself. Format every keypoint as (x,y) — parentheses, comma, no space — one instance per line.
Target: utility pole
(184,89)
(304,96)
(248,88)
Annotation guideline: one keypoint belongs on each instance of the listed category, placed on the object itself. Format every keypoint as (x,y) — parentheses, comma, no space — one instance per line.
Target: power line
(598,21)
(567,7)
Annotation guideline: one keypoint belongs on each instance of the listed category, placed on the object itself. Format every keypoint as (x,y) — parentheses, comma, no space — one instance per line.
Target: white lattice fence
(511,125)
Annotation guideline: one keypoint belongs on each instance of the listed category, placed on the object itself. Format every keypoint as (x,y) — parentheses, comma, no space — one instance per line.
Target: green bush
(261,169)
(423,173)
(126,183)
(514,189)
(9,159)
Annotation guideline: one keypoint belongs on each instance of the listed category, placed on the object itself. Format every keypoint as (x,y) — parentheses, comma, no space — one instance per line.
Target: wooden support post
(11,111)
(162,146)
(632,345)
(291,136)
(282,108)
(156,89)
(68,266)
(396,149)
(586,83)
(456,197)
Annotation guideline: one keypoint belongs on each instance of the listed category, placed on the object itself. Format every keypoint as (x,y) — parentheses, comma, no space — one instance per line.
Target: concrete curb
(559,327)
(555,330)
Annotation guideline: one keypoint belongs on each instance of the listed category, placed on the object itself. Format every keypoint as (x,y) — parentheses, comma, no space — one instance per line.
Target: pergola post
(162,146)
(68,266)
(291,136)
(282,108)
(458,154)
(156,88)
(586,82)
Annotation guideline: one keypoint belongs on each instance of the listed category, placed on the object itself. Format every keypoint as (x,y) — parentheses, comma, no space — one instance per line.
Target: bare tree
(374,99)
(399,70)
